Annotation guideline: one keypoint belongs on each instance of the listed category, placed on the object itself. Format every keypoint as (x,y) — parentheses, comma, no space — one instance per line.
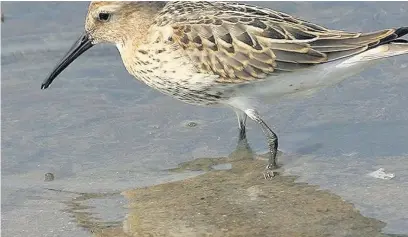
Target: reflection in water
(83,216)
(235,202)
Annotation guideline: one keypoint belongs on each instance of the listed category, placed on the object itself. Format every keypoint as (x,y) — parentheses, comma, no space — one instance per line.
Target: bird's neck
(135,57)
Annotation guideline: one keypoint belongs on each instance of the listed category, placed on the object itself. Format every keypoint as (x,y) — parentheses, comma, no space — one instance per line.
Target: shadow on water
(227,202)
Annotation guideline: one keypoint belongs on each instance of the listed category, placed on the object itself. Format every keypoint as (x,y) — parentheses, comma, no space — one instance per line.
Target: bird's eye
(104,16)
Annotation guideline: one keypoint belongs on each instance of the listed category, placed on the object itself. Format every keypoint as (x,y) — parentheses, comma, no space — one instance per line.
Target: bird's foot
(270,171)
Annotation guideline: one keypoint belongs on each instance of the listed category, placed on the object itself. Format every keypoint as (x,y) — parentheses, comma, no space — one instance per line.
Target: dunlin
(227,54)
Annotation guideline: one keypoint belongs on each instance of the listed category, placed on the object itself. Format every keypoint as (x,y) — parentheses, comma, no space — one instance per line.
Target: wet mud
(234,202)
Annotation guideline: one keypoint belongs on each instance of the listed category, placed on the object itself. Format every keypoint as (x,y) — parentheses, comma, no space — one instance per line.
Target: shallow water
(99,131)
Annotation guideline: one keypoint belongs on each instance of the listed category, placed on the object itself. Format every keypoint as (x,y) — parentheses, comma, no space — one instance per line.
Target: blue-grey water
(99,130)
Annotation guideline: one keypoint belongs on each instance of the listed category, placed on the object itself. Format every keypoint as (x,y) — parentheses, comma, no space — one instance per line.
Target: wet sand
(236,202)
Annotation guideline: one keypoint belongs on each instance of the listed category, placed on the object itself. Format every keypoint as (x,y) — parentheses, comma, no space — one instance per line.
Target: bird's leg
(243,150)
(242,117)
(272,142)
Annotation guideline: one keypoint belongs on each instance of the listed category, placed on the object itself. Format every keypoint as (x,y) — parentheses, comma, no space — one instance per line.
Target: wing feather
(239,42)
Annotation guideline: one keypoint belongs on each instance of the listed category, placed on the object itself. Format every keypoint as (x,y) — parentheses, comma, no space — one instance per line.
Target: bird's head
(110,22)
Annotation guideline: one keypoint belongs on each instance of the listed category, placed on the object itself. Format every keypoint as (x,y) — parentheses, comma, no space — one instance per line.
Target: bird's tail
(387,47)
(384,51)
(395,37)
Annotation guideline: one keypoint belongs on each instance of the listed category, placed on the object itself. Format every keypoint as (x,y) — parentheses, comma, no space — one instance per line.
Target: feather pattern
(240,42)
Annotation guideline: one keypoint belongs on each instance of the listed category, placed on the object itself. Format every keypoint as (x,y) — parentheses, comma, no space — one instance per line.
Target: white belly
(300,83)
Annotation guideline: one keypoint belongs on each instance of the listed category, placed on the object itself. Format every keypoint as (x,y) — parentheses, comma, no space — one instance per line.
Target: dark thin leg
(242,132)
(272,139)
(243,150)
(242,117)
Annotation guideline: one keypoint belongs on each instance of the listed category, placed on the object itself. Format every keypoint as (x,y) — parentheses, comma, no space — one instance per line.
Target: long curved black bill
(79,47)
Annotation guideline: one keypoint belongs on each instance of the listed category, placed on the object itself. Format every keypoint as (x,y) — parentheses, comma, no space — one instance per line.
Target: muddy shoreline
(235,202)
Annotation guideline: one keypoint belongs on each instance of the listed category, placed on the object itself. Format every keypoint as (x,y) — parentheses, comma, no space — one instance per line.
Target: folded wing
(239,42)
